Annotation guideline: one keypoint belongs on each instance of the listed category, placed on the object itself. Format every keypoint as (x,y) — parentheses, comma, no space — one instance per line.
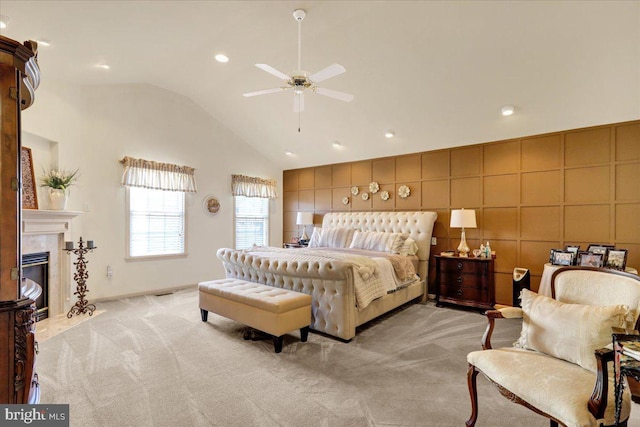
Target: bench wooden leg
(204,314)
(277,344)
(304,334)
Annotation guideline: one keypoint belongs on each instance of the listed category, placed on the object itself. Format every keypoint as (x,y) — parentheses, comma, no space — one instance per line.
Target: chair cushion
(568,331)
(558,388)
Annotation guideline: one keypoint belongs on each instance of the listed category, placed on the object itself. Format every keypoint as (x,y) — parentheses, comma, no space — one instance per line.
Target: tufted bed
(332,282)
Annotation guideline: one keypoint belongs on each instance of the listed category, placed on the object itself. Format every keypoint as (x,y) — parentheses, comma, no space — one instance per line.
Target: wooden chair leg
(472,374)
(277,344)
(553,423)
(204,314)
(304,334)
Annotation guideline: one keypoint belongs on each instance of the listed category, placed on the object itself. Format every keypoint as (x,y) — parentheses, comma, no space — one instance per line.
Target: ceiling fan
(300,80)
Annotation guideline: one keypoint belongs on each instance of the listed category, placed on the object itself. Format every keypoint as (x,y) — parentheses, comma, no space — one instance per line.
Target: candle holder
(81,275)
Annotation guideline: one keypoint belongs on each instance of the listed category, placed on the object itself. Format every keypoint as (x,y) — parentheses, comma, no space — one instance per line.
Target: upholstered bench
(272,310)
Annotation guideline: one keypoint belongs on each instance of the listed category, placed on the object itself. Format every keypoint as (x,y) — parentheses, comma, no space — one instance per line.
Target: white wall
(92,128)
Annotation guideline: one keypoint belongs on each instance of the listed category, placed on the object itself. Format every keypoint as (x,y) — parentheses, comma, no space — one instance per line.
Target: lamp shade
(463,218)
(304,218)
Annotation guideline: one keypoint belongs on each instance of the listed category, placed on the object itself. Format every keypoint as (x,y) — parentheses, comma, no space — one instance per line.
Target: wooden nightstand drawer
(465,281)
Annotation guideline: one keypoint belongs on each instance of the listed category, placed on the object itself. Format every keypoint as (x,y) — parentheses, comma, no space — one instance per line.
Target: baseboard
(149,292)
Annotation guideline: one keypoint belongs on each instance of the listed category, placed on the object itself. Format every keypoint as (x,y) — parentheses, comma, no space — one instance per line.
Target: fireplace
(35,266)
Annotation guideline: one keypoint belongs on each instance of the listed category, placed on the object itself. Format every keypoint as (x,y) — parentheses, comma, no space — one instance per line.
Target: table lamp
(304,219)
(461,218)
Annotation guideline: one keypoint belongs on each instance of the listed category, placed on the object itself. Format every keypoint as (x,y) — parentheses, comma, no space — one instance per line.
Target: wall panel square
(306,200)
(337,194)
(628,142)
(290,180)
(628,223)
(540,223)
(341,175)
(384,205)
(361,174)
(587,147)
(306,179)
(504,288)
(500,223)
(633,255)
(441,227)
(465,192)
(465,161)
(322,200)
(534,255)
(587,223)
(541,153)
(411,203)
(499,158)
(541,188)
(357,204)
(408,168)
(435,164)
(587,184)
(627,188)
(506,254)
(290,222)
(322,177)
(501,190)
(383,171)
(435,194)
(290,201)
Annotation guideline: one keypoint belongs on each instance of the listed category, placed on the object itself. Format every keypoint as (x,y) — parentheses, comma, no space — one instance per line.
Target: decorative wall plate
(404,191)
(374,187)
(354,190)
(384,195)
(345,200)
(211,205)
(365,196)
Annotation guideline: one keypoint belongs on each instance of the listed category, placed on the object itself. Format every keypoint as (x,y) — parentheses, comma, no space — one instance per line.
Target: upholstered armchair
(559,367)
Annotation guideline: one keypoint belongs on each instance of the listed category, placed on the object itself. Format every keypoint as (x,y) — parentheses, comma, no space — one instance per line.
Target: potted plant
(58,182)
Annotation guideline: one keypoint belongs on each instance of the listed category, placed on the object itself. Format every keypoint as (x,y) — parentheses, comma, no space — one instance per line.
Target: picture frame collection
(596,255)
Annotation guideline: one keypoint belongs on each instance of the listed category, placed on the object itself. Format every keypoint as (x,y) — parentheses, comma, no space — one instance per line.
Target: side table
(623,365)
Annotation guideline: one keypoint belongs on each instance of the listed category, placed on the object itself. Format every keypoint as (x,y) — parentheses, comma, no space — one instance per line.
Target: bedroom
(107,116)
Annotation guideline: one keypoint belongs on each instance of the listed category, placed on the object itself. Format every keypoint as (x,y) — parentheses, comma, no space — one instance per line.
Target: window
(156,222)
(252,221)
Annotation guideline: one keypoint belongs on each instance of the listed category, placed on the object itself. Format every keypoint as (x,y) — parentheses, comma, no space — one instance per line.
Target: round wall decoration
(384,195)
(345,200)
(211,205)
(404,191)
(354,190)
(365,196)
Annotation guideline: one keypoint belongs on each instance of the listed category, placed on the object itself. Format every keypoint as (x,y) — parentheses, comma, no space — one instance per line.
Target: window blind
(156,222)
(252,221)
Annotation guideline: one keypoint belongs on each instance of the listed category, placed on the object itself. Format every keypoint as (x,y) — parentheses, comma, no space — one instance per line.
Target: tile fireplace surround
(46,231)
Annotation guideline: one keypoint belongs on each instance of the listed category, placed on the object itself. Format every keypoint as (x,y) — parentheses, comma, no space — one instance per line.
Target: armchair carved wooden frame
(601,401)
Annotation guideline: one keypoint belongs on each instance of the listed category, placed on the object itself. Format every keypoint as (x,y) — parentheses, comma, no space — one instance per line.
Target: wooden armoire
(19,78)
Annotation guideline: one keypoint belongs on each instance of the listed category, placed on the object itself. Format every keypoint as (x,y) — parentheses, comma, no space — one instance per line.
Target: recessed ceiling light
(4,21)
(507,110)
(44,42)
(336,144)
(288,153)
(222,58)
(389,134)
(103,66)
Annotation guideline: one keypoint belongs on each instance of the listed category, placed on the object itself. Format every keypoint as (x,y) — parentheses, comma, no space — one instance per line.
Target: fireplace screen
(36,267)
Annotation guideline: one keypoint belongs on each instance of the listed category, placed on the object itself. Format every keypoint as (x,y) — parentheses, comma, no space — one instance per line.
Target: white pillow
(379,241)
(571,332)
(335,237)
(410,247)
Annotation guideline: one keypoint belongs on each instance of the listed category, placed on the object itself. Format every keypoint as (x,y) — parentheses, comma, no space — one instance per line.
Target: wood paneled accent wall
(530,194)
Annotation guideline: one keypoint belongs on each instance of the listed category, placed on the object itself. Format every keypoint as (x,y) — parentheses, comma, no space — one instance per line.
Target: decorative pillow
(571,332)
(379,241)
(331,237)
(410,247)
(314,242)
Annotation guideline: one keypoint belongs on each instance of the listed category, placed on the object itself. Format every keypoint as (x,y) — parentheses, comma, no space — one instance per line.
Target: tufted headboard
(419,225)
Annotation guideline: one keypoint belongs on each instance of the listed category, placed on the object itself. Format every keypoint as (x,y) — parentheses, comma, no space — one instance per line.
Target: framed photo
(575,250)
(29,193)
(590,259)
(551,252)
(600,249)
(562,258)
(617,259)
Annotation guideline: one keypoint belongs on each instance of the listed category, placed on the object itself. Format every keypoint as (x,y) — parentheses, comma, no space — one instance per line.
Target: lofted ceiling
(436,73)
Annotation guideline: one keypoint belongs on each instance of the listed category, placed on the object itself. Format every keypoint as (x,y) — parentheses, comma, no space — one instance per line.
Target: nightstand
(465,281)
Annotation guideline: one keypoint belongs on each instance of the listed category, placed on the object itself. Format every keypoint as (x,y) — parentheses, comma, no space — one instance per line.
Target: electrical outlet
(434,241)
(109,272)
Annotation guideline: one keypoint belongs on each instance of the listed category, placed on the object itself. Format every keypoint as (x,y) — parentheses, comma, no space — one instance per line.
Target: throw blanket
(367,283)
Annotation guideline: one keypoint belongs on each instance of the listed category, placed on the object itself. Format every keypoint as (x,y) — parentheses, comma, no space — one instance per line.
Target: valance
(250,186)
(158,176)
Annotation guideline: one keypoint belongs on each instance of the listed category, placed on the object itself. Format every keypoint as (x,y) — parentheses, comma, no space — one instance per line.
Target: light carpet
(151,361)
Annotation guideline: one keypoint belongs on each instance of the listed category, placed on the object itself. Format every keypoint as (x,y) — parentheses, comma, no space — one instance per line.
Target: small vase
(57,199)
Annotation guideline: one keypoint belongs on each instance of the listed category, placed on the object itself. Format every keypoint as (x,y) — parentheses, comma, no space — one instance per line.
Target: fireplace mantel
(41,221)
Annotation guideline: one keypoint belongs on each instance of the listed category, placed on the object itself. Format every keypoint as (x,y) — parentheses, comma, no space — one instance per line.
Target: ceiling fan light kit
(299,80)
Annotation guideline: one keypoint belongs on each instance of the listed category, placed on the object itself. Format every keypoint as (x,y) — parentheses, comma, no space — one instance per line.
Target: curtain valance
(158,176)
(250,186)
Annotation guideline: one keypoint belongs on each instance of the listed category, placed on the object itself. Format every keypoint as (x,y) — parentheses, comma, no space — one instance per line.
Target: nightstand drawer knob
(459,292)
(459,266)
(459,279)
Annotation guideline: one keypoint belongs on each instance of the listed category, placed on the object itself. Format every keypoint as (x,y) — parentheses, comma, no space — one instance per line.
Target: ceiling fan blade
(263,92)
(331,71)
(346,97)
(298,102)
(269,69)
